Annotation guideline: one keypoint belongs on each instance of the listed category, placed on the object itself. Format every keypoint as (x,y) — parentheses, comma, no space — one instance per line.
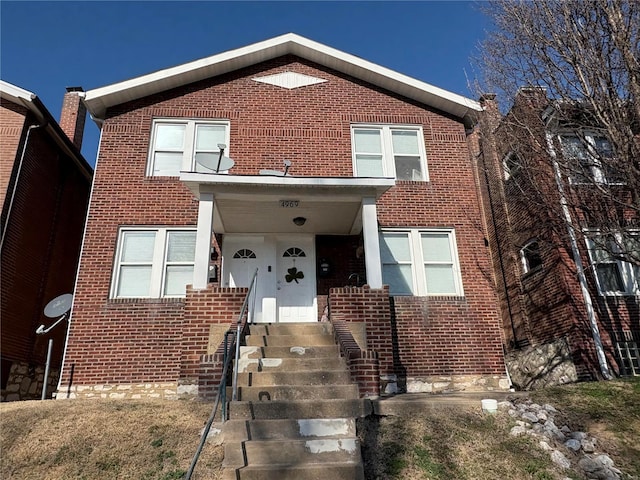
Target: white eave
(100,99)
(272,184)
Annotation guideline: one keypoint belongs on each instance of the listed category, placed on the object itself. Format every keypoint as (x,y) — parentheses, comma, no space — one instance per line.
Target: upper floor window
(153,263)
(179,145)
(510,165)
(615,260)
(420,262)
(389,151)
(530,256)
(592,157)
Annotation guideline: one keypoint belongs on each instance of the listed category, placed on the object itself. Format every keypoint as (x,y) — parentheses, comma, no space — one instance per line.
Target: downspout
(16,181)
(582,279)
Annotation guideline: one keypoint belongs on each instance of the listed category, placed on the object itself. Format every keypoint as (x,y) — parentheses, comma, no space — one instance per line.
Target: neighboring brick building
(535,192)
(44,190)
(376,226)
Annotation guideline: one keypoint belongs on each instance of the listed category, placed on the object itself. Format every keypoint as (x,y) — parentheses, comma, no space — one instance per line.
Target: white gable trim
(99,99)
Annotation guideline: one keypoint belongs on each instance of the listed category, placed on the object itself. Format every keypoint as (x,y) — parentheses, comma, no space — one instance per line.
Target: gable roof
(100,99)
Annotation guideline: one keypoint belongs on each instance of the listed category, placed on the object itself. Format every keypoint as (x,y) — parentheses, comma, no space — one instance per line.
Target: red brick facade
(545,305)
(45,192)
(136,341)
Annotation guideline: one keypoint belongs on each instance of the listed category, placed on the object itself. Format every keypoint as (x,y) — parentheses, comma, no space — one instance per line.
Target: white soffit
(99,99)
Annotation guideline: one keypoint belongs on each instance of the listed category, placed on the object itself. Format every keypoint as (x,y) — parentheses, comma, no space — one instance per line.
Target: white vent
(289,80)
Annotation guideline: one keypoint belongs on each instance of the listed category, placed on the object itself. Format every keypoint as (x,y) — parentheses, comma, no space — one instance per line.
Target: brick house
(44,192)
(570,309)
(351,191)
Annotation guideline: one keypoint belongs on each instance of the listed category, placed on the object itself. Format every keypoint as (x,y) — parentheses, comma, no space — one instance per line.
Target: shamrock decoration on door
(293,275)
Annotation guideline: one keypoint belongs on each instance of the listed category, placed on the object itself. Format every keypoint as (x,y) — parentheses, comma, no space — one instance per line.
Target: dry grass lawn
(125,439)
(104,439)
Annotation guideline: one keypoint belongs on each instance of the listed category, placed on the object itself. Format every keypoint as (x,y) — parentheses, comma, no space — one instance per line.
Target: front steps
(294,418)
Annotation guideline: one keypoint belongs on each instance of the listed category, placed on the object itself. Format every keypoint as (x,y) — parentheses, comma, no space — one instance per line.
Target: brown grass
(104,439)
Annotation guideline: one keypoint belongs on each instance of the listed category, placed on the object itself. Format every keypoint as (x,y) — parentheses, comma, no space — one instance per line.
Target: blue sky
(47,46)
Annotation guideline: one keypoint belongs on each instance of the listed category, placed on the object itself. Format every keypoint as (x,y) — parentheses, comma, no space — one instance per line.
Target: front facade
(570,305)
(346,186)
(44,193)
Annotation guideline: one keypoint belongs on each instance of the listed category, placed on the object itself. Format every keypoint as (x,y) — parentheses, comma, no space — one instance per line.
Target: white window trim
(597,171)
(188,154)
(526,267)
(508,171)
(418,262)
(630,282)
(158,262)
(388,163)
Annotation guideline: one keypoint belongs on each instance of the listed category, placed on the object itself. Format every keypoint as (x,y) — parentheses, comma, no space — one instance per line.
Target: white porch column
(371,243)
(203,241)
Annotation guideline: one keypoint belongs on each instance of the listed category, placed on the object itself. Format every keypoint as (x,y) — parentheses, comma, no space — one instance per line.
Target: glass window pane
(209,136)
(167,163)
(369,166)
(169,137)
(135,281)
(405,142)
(610,278)
(394,247)
(573,146)
(137,246)
(181,246)
(177,278)
(436,247)
(408,168)
(399,279)
(367,141)
(440,279)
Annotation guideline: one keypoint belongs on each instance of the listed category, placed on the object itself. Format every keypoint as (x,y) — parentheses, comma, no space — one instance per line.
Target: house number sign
(289,203)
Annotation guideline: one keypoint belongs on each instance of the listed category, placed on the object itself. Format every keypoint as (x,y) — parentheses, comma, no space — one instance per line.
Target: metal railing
(221,398)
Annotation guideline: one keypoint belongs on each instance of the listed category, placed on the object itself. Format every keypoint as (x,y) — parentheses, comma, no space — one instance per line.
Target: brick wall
(545,305)
(12,121)
(423,337)
(312,127)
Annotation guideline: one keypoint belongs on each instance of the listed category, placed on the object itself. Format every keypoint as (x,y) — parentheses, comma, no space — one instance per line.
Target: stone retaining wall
(25,383)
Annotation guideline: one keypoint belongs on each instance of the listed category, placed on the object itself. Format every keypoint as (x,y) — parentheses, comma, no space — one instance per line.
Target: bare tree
(585,56)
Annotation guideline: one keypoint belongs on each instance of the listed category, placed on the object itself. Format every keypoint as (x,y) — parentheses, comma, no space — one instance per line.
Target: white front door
(286,289)
(296,281)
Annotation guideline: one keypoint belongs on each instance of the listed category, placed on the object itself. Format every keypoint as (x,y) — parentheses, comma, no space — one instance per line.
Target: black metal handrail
(222,387)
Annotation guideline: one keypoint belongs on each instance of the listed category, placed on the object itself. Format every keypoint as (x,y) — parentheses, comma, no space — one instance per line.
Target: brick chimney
(73,115)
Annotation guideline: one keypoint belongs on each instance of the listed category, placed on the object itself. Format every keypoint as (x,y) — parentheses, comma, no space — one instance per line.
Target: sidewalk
(404,403)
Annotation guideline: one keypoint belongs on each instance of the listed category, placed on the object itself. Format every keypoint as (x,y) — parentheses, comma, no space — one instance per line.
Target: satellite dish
(213,161)
(58,307)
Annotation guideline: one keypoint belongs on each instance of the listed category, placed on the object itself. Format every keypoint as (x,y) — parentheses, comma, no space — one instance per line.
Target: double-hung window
(185,145)
(589,159)
(389,151)
(615,261)
(511,165)
(420,262)
(153,262)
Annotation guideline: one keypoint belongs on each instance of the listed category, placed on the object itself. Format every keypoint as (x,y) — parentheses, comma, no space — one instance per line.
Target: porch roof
(269,203)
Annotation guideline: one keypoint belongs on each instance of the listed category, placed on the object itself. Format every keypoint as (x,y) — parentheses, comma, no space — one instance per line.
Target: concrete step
(279,429)
(292,452)
(294,377)
(301,409)
(289,340)
(277,352)
(320,328)
(290,364)
(340,471)
(270,393)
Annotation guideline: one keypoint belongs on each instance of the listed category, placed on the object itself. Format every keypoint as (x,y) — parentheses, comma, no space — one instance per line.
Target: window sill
(145,300)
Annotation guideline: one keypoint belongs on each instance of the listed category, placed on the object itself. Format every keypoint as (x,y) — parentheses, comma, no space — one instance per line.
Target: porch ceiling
(268,204)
